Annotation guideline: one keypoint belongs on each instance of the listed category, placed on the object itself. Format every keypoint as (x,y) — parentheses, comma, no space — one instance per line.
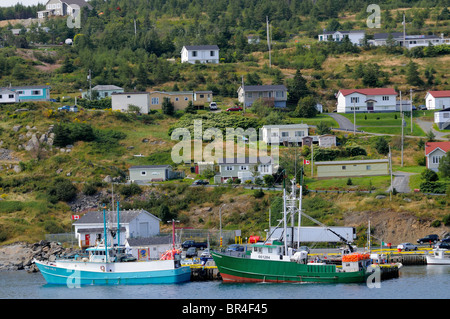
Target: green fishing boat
(275,261)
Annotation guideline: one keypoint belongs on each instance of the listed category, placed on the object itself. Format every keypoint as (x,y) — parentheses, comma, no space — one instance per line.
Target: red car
(234,108)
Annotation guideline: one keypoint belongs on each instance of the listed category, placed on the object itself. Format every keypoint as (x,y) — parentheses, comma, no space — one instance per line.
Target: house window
(299,133)
(176,99)
(11,96)
(19,92)
(279,94)
(186,98)
(385,98)
(155,100)
(354,100)
(194,53)
(249,95)
(368,167)
(202,96)
(436,159)
(36,92)
(446,115)
(243,168)
(285,134)
(211,53)
(128,96)
(344,168)
(143,173)
(1,96)
(228,168)
(263,168)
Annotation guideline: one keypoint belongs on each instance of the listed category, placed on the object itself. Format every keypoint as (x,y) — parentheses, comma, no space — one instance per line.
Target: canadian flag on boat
(75,217)
(306,162)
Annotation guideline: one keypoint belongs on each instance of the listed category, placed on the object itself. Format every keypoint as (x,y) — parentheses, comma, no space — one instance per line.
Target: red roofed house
(437,100)
(434,151)
(366,100)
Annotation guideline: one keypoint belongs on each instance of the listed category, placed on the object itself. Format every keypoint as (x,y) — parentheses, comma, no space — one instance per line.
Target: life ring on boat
(102,268)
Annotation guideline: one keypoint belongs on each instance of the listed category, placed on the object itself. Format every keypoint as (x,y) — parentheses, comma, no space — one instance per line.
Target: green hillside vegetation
(36,200)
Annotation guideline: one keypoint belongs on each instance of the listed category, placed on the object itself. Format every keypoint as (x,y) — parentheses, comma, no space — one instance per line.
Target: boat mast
(118,225)
(284,220)
(105,233)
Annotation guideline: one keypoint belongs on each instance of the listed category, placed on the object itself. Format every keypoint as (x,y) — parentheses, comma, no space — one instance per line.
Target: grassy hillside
(40,186)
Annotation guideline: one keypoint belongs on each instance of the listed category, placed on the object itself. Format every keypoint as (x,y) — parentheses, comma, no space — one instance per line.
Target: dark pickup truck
(191,243)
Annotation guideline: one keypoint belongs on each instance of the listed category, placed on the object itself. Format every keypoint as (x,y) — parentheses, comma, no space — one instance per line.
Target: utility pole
(90,85)
(268,41)
(354,118)
(390,169)
(403,121)
(410,97)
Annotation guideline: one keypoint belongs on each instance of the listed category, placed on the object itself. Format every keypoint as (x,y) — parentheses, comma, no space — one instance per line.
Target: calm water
(415,282)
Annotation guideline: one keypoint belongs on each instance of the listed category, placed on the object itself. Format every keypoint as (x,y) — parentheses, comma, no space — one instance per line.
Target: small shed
(152,173)
(307,140)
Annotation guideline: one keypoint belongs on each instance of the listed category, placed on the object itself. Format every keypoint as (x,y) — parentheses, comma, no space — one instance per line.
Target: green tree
(412,74)
(297,88)
(322,128)
(429,176)
(444,165)
(167,107)
(381,145)
(306,107)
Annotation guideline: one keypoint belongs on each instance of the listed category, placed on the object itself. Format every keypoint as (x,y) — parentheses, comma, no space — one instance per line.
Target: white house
(366,100)
(434,151)
(442,119)
(437,100)
(89,229)
(121,101)
(200,53)
(103,91)
(291,133)
(408,41)
(248,168)
(62,8)
(272,95)
(355,36)
(8,96)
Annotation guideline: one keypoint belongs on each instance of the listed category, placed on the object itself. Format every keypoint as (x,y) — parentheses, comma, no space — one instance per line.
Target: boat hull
(238,269)
(437,261)
(75,274)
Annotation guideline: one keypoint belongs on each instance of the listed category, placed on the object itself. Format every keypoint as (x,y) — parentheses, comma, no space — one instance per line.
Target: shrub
(62,190)
(130,190)
(258,193)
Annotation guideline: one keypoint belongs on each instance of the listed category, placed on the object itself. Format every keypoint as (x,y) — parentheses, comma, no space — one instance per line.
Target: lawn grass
(315,120)
(385,123)
(358,183)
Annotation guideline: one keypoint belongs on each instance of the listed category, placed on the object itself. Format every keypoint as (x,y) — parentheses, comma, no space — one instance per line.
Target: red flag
(306,162)
(75,217)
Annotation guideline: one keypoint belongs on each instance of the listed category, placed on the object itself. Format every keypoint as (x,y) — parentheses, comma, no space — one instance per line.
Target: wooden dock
(204,273)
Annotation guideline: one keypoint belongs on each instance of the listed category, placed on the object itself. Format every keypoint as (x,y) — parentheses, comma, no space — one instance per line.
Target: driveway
(343,122)
(426,126)
(400,182)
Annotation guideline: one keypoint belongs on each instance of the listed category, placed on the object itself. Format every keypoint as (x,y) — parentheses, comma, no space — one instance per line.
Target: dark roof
(155,240)
(264,87)
(444,110)
(150,166)
(128,93)
(96,217)
(380,36)
(28,87)
(246,160)
(81,3)
(201,47)
(344,32)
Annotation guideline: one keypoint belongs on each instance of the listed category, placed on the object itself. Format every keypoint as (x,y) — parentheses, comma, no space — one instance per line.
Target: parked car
(192,243)
(68,108)
(234,108)
(445,240)
(205,253)
(191,252)
(213,106)
(407,246)
(422,107)
(200,182)
(428,239)
(235,247)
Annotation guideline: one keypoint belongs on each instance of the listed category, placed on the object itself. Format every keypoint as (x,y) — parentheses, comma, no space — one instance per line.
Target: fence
(68,238)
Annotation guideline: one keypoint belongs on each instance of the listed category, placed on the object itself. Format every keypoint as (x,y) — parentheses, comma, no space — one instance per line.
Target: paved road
(426,126)
(401,182)
(343,122)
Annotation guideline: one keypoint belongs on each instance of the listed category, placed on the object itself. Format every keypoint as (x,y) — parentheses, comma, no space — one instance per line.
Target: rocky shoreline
(19,256)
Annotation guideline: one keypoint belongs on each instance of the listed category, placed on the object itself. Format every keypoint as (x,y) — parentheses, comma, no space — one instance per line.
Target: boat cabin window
(270,250)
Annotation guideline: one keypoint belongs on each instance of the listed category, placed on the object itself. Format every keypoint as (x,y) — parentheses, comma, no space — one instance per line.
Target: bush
(258,193)
(433,187)
(130,190)
(429,176)
(62,190)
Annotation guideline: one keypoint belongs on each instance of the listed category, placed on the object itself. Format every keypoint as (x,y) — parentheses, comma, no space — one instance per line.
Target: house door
(370,107)
(143,229)
(87,237)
